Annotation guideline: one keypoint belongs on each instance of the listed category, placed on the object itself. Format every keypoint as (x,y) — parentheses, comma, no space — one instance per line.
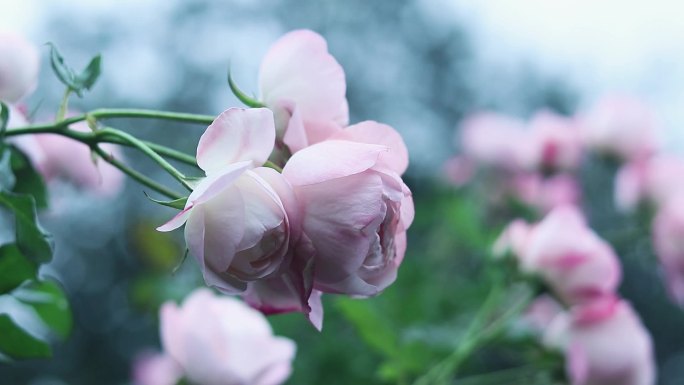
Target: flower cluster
(601,336)
(334,220)
(54,156)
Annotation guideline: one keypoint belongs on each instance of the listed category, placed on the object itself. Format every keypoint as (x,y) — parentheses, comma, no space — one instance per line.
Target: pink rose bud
(668,240)
(356,210)
(497,140)
(19,65)
(156,369)
(305,87)
(220,340)
(556,141)
(577,264)
(71,160)
(605,343)
(620,125)
(239,221)
(652,180)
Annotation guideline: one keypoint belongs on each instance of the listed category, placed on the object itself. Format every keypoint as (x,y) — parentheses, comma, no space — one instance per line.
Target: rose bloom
(605,343)
(668,240)
(652,180)
(240,220)
(621,126)
(221,341)
(355,207)
(305,87)
(497,140)
(19,65)
(556,141)
(570,257)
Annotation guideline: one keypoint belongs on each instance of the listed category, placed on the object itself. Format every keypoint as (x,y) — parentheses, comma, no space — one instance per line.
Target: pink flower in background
(156,369)
(570,257)
(605,343)
(541,313)
(546,193)
(620,125)
(668,240)
(240,221)
(19,65)
(497,140)
(653,180)
(356,210)
(305,87)
(221,341)
(513,239)
(71,160)
(458,170)
(556,141)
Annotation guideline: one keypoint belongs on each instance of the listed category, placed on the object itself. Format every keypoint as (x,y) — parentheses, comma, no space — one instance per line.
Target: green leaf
(48,300)
(375,330)
(176,203)
(14,268)
(4,119)
(17,343)
(28,180)
(91,73)
(7,179)
(31,239)
(75,82)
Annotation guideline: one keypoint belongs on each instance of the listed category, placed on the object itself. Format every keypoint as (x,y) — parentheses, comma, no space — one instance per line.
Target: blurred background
(418,65)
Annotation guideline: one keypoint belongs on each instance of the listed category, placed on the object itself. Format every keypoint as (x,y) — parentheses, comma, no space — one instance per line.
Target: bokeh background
(418,65)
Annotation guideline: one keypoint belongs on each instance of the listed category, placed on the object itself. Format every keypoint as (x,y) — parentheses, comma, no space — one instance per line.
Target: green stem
(137,176)
(274,166)
(105,113)
(145,149)
(64,105)
(158,148)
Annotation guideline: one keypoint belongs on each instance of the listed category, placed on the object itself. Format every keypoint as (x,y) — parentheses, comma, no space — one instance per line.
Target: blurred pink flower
(305,87)
(513,239)
(222,341)
(653,180)
(605,343)
(241,220)
(620,125)
(546,193)
(570,257)
(541,314)
(556,141)
(19,65)
(156,369)
(356,210)
(668,241)
(71,160)
(497,140)
(458,170)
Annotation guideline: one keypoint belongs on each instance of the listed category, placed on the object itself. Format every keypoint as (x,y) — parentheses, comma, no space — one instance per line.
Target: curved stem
(158,148)
(145,149)
(137,176)
(105,113)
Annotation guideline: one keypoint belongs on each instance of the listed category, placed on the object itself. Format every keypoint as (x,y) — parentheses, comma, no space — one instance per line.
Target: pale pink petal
(371,132)
(237,135)
(329,160)
(217,182)
(177,221)
(298,68)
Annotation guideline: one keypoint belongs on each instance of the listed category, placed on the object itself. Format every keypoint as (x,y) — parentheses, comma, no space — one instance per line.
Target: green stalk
(137,176)
(105,113)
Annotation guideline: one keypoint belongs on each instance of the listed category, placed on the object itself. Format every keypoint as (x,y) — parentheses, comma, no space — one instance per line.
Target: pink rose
(221,341)
(356,210)
(652,180)
(546,194)
(497,140)
(668,240)
(305,87)
(620,125)
(570,257)
(156,369)
(556,141)
(19,65)
(240,220)
(71,160)
(605,343)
